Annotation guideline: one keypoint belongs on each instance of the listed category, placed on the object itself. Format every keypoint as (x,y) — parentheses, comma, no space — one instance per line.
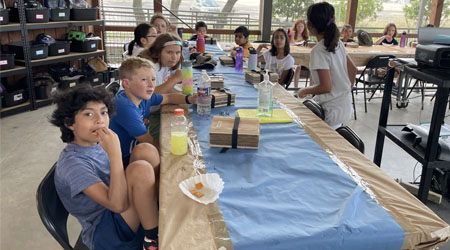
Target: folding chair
(53,214)
(113,87)
(315,108)
(351,137)
(288,79)
(371,77)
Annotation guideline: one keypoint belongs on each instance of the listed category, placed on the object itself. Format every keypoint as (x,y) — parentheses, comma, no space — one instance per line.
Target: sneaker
(150,244)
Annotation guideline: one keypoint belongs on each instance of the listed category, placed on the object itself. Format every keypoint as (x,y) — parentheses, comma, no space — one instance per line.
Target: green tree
(366,9)
(290,10)
(412,10)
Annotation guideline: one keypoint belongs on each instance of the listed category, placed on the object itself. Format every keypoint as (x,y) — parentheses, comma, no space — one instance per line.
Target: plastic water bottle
(204,94)
(265,93)
(178,133)
(200,43)
(252,59)
(239,65)
(186,53)
(187,82)
(289,35)
(403,39)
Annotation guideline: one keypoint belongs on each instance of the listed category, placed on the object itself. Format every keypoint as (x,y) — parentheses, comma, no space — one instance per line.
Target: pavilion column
(265,21)
(436,12)
(352,9)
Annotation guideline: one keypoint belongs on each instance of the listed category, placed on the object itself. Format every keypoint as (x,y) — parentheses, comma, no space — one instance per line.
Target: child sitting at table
(332,70)
(390,32)
(278,59)
(300,37)
(202,28)
(133,104)
(117,209)
(241,34)
(144,36)
(347,34)
(163,25)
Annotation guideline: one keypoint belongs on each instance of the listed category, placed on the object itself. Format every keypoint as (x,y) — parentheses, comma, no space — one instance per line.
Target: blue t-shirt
(130,121)
(77,169)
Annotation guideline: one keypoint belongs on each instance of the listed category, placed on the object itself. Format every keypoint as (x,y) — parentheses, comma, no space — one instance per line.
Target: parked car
(205,6)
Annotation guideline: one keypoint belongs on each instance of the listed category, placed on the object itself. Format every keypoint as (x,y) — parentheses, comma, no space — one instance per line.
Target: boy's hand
(109,141)
(193,99)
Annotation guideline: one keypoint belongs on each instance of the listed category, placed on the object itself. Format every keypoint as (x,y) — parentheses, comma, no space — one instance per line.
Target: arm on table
(170,83)
(323,87)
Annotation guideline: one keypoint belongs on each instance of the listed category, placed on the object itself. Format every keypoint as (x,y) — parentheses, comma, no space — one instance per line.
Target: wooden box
(222,98)
(216,81)
(222,132)
(226,60)
(256,77)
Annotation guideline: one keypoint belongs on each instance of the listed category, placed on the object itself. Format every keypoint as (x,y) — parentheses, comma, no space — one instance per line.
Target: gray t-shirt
(77,169)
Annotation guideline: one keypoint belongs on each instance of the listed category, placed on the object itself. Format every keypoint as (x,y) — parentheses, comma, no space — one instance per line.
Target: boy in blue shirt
(133,103)
(117,209)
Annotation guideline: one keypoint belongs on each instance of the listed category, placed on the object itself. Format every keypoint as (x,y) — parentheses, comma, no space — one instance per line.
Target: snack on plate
(199,185)
(196,193)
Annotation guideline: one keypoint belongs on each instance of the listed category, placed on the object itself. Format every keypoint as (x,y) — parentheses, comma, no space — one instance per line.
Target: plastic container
(59,48)
(67,82)
(187,82)
(59,14)
(37,51)
(95,79)
(204,94)
(252,59)
(178,133)
(265,94)
(239,65)
(14,98)
(83,14)
(41,92)
(4,16)
(200,43)
(33,15)
(186,54)
(403,39)
(6,61)
(84,46)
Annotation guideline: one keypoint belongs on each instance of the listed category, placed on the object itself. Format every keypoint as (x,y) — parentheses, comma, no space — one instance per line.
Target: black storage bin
(6,61)
(59,14)
(68,83)
(14,98)
(59,70)
(4,16)
(41,92)
(59,48)
(83,14)
(34,15)
(37,51)
(95,79)
(84,46)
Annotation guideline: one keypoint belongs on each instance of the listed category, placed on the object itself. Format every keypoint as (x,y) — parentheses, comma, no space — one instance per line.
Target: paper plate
(212,187)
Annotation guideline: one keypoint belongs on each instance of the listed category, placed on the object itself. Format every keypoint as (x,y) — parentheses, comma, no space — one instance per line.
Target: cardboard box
(222,132)
(256,77)
(222,98)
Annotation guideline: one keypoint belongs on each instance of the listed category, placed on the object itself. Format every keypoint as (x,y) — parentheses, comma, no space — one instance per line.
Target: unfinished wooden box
(226,60)
(216,81)
(222,98)
(210,40)
(234,132)
(258,76)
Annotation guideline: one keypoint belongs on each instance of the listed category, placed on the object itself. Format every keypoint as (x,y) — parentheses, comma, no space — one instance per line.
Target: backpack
(364,38)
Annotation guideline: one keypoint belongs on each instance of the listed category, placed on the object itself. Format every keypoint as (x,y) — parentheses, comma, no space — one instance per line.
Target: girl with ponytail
(144,35)
(332,70)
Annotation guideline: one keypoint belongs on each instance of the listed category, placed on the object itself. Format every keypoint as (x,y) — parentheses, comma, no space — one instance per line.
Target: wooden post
(436,12)
(352,9)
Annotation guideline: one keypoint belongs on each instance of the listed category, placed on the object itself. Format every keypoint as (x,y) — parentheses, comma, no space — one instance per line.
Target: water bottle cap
(178,111)
(186,64)
(185,44)
(240,49)
(252,50)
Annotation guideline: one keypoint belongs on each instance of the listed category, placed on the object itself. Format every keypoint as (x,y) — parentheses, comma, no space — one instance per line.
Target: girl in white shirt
(277,59)
(333,72)
(144,36)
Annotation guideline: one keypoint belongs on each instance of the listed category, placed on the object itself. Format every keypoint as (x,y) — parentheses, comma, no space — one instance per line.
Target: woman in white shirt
(333,72)
(144,36)
(277,59)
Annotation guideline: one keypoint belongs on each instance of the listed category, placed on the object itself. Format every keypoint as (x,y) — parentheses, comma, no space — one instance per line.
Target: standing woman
(300,35)
(144,35)
(333,71)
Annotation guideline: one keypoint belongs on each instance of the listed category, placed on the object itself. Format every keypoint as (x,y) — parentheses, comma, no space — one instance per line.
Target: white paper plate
(212,187)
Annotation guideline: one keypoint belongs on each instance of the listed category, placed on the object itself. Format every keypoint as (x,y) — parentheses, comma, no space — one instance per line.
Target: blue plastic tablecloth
(289,194)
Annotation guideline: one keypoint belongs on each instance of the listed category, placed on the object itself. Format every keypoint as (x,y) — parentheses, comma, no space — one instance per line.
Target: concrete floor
(30,145)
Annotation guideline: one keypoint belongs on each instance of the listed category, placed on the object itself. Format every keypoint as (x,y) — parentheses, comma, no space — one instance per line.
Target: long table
(304,188)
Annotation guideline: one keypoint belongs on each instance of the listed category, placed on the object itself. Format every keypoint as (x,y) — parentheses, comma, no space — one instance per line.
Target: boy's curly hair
(70,102)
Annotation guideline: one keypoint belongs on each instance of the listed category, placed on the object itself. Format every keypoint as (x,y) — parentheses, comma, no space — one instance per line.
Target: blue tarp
(289,194)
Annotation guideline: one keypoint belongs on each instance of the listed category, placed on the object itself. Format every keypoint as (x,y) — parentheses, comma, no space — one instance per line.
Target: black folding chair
(113,87)
(289,78)
(351,137)
(53,214)
(315,108)
(371,76)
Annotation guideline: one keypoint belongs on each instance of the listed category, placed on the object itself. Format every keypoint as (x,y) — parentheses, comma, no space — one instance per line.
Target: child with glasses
(144,36)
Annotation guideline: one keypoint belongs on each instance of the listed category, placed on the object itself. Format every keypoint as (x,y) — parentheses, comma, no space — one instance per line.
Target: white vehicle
(205,6)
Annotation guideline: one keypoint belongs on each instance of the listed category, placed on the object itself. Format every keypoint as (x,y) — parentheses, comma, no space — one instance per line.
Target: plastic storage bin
(14,98)
(6,61)
(83,14)
(59,48)
(59,70)
(4,16)
(41,92)
(95,79)
(84,46)
(59,14)
(37,51)
(67,83)
(34,15)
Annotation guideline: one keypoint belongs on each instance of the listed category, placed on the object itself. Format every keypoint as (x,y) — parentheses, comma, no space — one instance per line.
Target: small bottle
(178,133)
(200,43)
(186,53)
(204,94)
(239,64)
(265,93)
(403,39)
(252,59)
(289,35)
(187,82)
